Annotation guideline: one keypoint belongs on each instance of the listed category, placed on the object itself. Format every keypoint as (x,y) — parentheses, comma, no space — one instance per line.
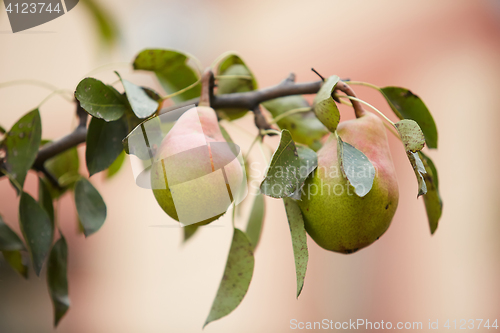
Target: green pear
(196,174)
(334,216)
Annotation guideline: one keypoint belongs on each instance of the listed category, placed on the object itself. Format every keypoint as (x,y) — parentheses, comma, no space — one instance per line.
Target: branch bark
(247,100)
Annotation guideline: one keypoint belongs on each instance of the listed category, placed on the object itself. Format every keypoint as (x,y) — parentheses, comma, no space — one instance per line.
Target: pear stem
(358,108)
(207,84)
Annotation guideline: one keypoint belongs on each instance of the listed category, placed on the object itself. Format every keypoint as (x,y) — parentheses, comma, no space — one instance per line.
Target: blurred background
(135,275)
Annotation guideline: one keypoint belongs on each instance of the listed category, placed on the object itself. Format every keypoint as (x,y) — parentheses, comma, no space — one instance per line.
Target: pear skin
(205,175)
(334,216)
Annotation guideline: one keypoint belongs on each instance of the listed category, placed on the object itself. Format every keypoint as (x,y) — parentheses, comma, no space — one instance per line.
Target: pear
(334,216)
(196,174)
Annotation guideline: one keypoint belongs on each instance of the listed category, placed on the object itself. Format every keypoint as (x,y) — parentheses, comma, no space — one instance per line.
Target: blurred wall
(134,275)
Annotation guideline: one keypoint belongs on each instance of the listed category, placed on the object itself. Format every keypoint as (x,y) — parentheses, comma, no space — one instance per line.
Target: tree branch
(246,100)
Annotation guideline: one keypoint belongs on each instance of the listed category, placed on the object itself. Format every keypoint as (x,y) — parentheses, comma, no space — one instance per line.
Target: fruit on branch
(334,216)
(196,174)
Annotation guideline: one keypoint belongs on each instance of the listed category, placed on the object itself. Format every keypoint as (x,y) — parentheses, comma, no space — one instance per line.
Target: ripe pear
(196,174)
(334,216)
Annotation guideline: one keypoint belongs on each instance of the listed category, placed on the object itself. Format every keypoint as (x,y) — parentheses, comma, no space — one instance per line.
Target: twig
(246,100)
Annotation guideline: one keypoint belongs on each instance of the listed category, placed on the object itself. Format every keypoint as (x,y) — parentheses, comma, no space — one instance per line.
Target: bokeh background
(135,275)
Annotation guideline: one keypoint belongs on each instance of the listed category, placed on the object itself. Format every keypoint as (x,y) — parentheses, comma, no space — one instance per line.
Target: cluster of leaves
(116,117)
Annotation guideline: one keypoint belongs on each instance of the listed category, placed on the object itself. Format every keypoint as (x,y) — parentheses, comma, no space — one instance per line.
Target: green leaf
(21,145)
(100,100)
(105,23)
(233,65)
(90,207)
(116,165)
(299,240)
(411,135)
(324,106)
(282,176)
(145,139)
(355,167)
(189,231)
(57,278)
(16,260)
(104,143)
(407,105)
(308,160)
(172,71)
(304,127)
(432,199)
(236,279)
(9,240)
(419,169)
(45,198)
(254,226)
(65,168)
(140,102)
(37,230)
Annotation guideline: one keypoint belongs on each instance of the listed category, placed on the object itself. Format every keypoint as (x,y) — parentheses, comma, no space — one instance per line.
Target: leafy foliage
(125,122)
(325,107)
(172,70)
(304,126)
(90,206)
(21,146)
(37,228)
(104,143)
(236,279)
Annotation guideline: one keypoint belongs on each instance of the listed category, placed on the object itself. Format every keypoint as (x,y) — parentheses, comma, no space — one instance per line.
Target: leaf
(9,240)
(65,168)
(432,199)
(189,231)
(57,278)
(145,139)
(105,23)
(116,165)
(411,135)
(324,106)
(104,144)
(355,167)
(100,100)
(172,71)
(236,279)
(45,198)
(308,160)
(282,176)
(254,225)
(233,65)
(419,169)
(37,230)
(21,145)
(299,240)
(90,207)
(407,105)
(304,127)
(18,263)
(140,102)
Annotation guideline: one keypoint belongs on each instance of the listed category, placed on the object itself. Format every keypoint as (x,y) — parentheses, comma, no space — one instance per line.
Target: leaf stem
(366,84)
(368,104)
(262,151)
(289,113)
(56,92)
(180,91)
